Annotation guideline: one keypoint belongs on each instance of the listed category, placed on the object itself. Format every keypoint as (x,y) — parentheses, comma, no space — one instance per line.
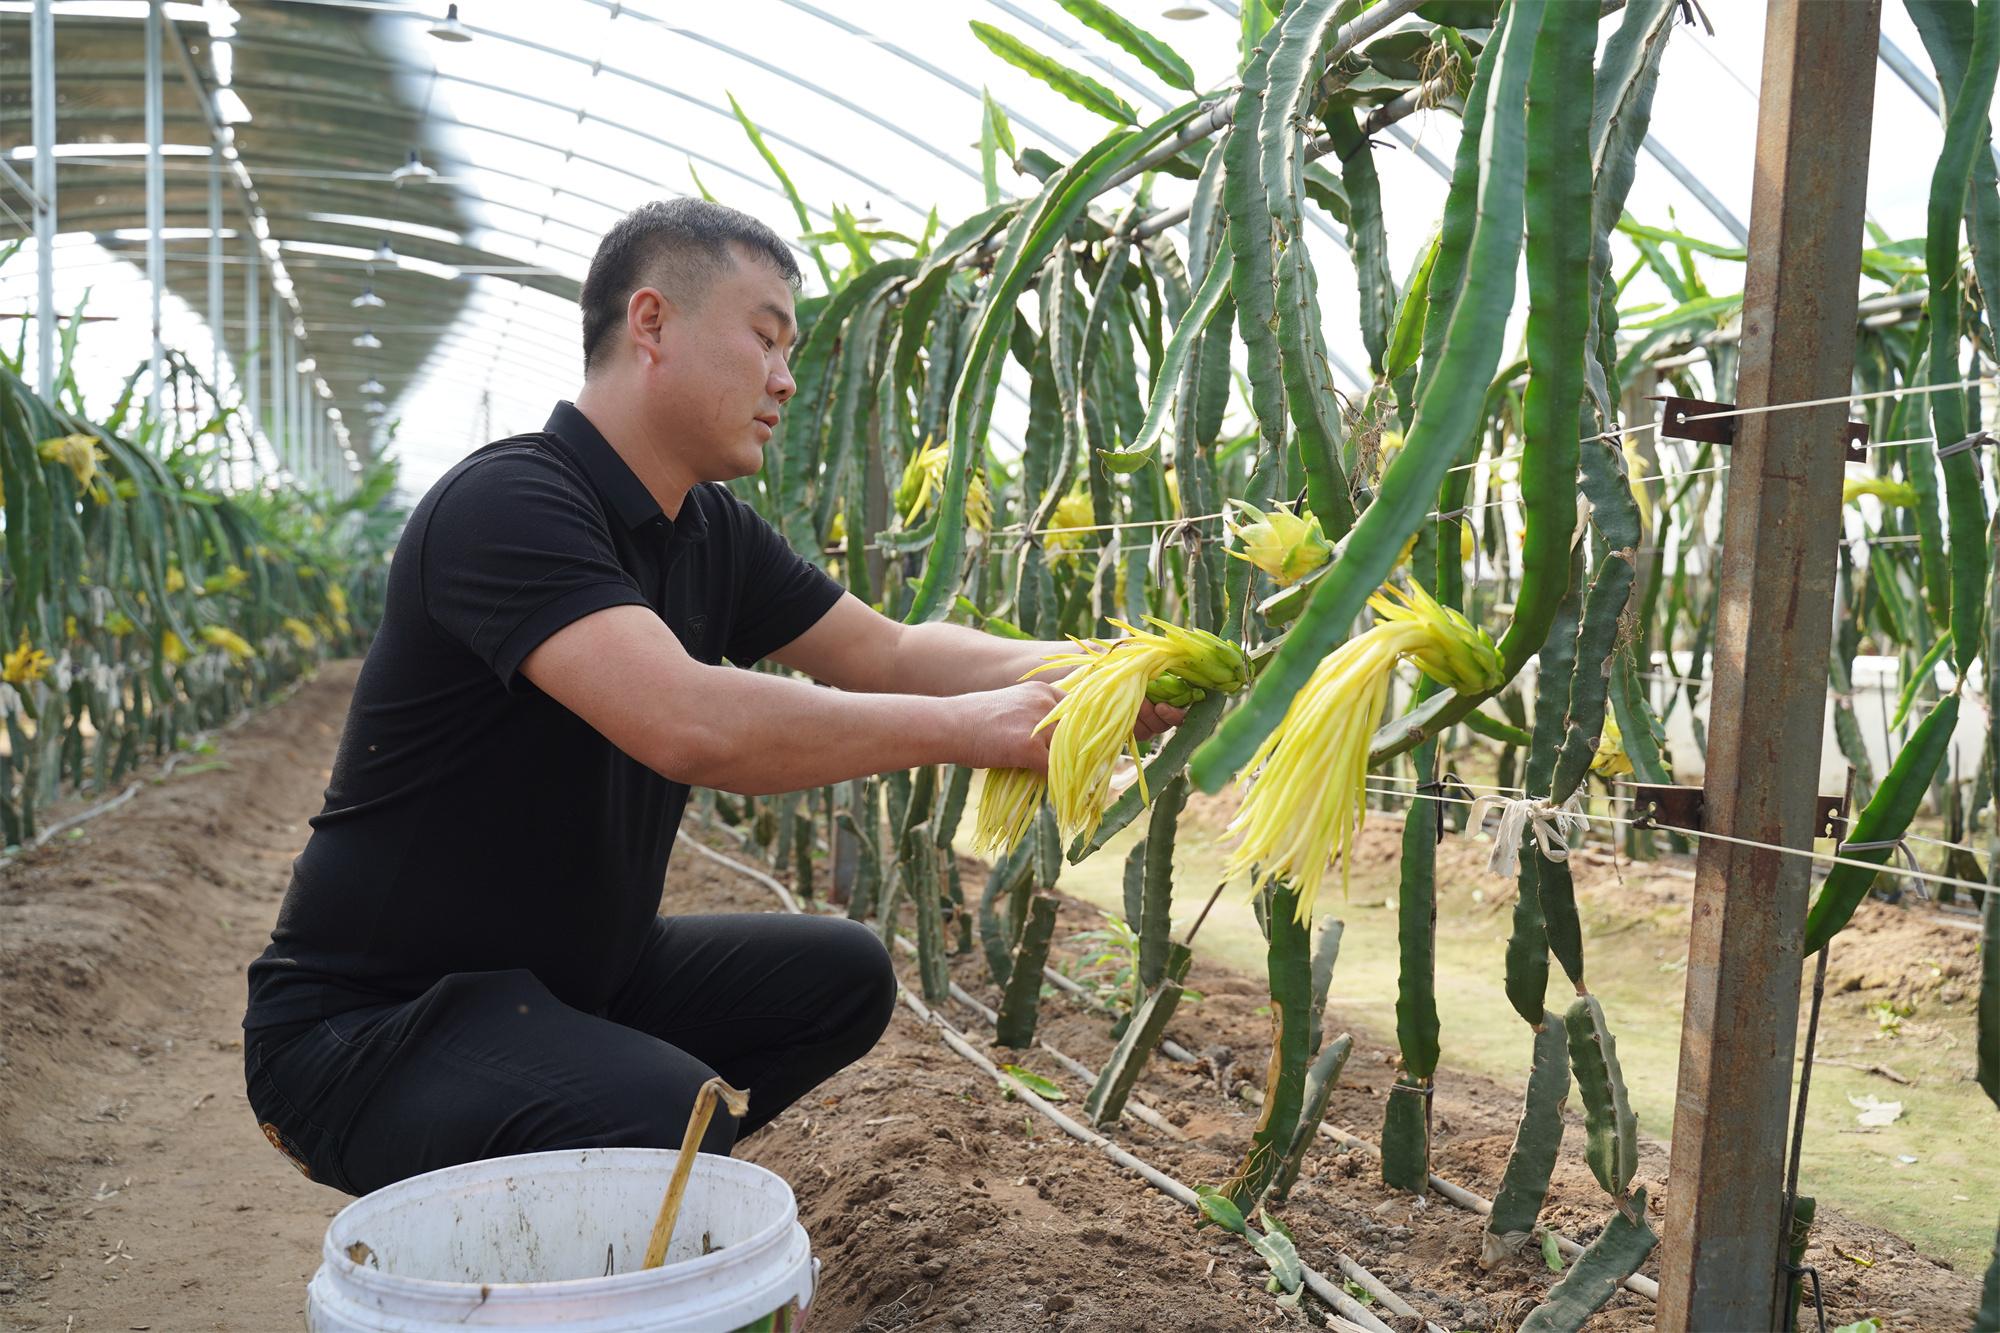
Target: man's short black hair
(677,245)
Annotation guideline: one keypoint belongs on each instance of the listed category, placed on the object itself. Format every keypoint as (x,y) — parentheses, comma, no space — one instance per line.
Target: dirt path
(137,1188)
(136,1191)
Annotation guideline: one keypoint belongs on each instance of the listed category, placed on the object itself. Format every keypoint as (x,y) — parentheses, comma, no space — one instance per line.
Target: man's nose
(782,385)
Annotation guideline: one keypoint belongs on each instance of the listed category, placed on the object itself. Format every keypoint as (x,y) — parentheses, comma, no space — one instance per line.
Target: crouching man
(469,960)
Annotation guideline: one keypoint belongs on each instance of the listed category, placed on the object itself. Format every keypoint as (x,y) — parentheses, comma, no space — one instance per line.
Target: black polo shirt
(473,823)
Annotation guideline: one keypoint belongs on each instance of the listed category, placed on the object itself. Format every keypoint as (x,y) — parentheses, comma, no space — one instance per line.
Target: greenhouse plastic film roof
(557,116)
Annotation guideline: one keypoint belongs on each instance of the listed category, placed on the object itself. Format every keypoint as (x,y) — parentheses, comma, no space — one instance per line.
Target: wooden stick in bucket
(670,1206)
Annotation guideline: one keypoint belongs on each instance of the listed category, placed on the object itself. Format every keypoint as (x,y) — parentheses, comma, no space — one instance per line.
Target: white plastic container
(526,1242)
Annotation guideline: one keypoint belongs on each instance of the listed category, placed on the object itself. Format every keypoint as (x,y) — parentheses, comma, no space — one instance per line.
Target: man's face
(723,377)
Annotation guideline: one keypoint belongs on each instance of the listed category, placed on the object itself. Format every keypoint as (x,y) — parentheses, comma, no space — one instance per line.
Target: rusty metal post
(1722,1248)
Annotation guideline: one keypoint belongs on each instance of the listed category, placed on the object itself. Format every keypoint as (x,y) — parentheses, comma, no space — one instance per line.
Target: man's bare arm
(626,674)
(855,647)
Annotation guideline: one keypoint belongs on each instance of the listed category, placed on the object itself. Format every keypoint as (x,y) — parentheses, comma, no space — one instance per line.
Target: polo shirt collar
(614,478)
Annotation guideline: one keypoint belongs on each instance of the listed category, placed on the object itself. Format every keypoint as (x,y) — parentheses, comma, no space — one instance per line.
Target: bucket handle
(670,1206)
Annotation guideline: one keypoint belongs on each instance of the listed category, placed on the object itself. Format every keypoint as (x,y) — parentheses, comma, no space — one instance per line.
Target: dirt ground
(136,1191)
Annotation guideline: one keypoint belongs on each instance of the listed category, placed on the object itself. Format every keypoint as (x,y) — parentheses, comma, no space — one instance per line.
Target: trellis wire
(1828,858)
(1015,530)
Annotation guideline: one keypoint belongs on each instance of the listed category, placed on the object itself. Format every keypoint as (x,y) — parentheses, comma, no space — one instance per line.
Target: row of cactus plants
(1179,399)
(139,604)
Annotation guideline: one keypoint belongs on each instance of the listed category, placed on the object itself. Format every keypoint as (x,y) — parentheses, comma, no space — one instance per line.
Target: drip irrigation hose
(1457,1194)
(1638,1284)
(1315,1281)
(1349,1309)
(1139,1111)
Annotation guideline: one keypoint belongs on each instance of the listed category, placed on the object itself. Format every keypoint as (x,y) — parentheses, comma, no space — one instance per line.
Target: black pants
(488,1064)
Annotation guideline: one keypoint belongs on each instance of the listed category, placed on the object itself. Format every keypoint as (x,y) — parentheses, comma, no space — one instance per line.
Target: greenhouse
(1000,664)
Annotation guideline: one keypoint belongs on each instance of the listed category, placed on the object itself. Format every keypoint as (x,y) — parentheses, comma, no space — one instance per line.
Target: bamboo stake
(738,1103)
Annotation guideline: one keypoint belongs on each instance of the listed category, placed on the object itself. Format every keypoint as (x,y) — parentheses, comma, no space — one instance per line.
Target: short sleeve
(514,550)
(779,594)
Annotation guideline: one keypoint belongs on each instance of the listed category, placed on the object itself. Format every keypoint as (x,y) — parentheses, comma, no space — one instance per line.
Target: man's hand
(1156,718)
(1001,725)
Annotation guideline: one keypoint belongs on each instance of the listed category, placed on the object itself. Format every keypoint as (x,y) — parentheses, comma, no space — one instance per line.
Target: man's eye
(768,341)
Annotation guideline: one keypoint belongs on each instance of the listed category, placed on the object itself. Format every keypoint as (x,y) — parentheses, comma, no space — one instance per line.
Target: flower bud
(1893,494)
(1281,543)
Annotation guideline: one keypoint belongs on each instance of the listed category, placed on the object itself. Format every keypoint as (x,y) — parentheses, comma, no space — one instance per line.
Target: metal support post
(219,335)
(1723,1244)
(289,406)
(253,305)
(42,120)
(274,432)
(217,329)
(295,434)
(156,197)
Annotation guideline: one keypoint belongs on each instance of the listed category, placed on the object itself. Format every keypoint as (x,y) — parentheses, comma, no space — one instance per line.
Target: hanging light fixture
(868,218)
(449,29)
(368,340)
(230,107)
(1184,12)
(372,388)
(368,300)
(414,169)
(375,409)
(383,253)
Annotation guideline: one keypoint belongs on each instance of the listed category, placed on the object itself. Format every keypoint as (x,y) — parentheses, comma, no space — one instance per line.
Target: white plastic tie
(1555,827)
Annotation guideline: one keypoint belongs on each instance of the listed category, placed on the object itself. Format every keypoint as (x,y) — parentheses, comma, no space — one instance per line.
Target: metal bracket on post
(1662,805)
(1696,419)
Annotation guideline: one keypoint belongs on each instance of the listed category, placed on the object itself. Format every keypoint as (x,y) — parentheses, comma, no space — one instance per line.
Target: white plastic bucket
(526,1242)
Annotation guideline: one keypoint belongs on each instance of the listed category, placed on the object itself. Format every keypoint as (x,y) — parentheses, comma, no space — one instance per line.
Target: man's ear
(646,318)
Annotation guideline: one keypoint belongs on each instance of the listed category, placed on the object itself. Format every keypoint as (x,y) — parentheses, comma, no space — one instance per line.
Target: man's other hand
(1156,718)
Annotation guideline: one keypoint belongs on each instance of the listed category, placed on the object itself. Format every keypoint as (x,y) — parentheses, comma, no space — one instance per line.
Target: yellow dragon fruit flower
(1636,468)
(172,648)
(1008,800)
(1069,527)
(336,597)
(1281,543)
(238,648)
(79,453)
(175,579)
(923,478)
(1093,724)
(836,531)
(1465,545)
(1611,761)
(1304,791)
(1100,706)
(25,664)
(301,632)
(117,624)
(1893,494)
(231,578)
